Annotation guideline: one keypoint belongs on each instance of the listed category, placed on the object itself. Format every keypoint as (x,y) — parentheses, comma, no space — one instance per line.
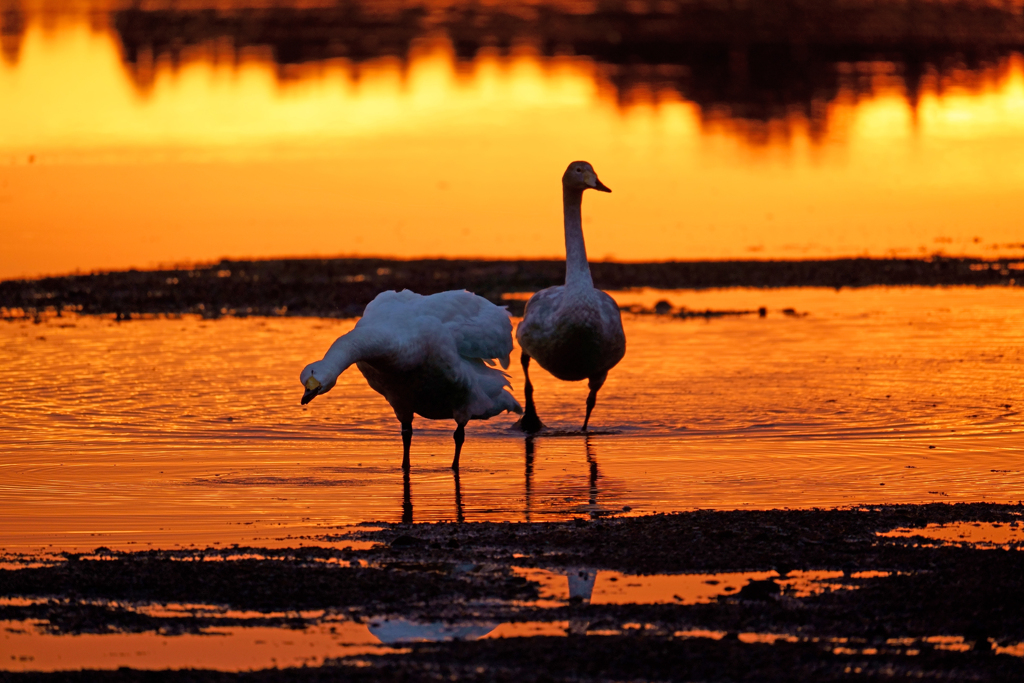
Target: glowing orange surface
(604,587)
(182,431)
(984,534)
(220,159)
(222,648)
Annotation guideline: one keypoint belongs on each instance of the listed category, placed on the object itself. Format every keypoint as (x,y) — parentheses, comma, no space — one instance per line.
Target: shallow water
(169,432)
(29,648)
(970,534)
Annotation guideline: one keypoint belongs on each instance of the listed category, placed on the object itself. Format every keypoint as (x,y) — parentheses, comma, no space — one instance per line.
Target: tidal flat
(772,595)
(341,287)
(827,491)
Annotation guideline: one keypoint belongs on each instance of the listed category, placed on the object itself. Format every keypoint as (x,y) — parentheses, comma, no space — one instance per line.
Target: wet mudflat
(341,287)
(168,510)
(787,595)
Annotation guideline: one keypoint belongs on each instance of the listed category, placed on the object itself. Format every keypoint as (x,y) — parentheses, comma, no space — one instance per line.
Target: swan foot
(529,423)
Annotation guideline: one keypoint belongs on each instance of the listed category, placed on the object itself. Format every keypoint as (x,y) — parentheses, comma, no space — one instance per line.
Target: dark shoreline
(901,594)
(342,287)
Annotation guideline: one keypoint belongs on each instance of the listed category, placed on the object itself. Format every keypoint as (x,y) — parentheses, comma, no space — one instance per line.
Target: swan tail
(490,391)
(503,402)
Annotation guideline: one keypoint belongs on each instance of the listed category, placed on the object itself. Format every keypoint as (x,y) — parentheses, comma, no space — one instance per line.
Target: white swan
(426,355)
(574,331)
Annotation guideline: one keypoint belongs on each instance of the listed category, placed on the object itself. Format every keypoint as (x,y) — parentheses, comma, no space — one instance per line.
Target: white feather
(573,331)
(427,355)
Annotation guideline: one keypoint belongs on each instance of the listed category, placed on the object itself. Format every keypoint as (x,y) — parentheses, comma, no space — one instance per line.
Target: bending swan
(426,355)
(574,331)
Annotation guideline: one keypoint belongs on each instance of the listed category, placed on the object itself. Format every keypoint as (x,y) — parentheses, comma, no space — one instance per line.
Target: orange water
(171,432)
(30,648)
(216,155)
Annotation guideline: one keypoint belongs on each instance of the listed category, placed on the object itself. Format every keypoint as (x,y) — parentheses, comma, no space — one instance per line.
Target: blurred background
(139,134)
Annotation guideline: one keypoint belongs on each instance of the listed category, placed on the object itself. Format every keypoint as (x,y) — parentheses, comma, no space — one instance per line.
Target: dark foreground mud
(343,287)
(909,609)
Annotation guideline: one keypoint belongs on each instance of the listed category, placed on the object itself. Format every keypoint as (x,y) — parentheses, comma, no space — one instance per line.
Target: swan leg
(406,442)
(529,422)
(595,384)
(460,437)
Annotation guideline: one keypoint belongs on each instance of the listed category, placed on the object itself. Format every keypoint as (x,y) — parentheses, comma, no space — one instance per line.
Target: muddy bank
(906,608)
(343,287)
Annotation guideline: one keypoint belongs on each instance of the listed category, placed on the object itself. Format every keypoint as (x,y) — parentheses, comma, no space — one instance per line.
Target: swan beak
(592,181)
(312,389)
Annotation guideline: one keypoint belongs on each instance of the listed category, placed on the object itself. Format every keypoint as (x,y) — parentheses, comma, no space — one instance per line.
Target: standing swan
(574,331)
(426,355)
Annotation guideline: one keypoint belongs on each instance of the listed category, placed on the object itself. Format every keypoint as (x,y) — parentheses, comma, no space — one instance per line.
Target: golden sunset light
(561,340)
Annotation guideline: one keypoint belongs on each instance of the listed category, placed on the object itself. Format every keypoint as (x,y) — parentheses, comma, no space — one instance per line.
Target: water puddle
(983,535)
(314,637)
(28,647)
(603,587)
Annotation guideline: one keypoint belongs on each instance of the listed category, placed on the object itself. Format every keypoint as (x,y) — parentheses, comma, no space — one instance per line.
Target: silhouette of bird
(428,356)
(574,331)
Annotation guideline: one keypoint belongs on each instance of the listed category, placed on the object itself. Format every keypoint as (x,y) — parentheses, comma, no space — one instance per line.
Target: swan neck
(577,270)
(347,349)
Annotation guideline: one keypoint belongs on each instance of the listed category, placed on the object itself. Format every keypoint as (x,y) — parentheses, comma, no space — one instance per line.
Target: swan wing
(478,328)
(539,318)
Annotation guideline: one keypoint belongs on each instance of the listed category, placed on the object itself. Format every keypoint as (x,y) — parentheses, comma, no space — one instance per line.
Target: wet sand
(908,607)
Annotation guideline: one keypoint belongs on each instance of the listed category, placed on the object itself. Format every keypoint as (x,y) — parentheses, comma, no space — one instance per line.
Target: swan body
(574,331)
(427,355)
(574,336)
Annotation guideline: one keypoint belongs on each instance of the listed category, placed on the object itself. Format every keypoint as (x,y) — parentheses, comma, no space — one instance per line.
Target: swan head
(317,379)
(581,176)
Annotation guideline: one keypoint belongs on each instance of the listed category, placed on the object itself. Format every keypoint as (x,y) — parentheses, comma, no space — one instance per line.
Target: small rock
(759,590)
(406,541)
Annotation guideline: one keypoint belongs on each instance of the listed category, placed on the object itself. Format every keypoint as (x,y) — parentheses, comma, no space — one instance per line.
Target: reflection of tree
(12,28)
(755,66)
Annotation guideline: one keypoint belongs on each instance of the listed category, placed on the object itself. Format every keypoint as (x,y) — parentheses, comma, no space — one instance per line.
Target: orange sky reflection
(220,159)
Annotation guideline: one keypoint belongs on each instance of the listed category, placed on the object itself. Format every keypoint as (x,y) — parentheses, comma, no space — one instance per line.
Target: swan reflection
(580,581)
(592,489)
(390,631)
(407,517)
